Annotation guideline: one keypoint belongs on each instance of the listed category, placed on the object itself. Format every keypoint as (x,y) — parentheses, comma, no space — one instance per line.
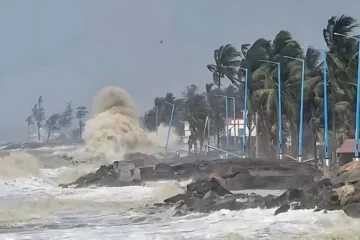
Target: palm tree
(164,109)
(52,124)
(226,63)
(66,117)
(196,110)
(217,108)
(342,57)
(39,115)
(30,122)
(263,85)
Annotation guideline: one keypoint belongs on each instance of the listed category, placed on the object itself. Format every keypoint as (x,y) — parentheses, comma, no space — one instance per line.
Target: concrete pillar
(137,175)
(125,173)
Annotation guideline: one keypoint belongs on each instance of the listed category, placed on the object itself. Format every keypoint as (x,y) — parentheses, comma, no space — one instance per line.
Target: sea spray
(115,127)
(19,164)
(23,165)
(167,190)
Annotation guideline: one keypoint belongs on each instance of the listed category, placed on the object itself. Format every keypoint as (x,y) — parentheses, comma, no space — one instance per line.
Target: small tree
(80,114)
(52,124)
(30,122)
(65,118)
(39,115)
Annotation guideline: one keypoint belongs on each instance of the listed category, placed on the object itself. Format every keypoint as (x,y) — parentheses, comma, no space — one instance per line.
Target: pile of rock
(249,173)
(348,182)
(117,174)
(209,195)
(341,192)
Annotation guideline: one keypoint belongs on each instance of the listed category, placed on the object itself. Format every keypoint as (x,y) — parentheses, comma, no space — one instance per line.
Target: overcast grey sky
(67,50)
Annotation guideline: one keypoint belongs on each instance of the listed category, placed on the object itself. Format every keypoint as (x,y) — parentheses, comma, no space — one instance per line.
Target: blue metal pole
(280,112)
(301,111)
(170,124)
(357,109)
(326,126)
(245,111)
(227,124)
(301,118)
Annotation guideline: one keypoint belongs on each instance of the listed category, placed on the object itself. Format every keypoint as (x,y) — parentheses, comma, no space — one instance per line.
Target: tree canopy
(228,64)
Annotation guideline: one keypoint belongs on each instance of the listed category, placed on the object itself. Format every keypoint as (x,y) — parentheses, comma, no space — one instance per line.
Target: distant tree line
(57,122)
(194,107)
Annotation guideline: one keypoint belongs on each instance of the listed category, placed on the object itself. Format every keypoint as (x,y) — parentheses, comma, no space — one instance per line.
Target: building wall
(237,130)
(346,158)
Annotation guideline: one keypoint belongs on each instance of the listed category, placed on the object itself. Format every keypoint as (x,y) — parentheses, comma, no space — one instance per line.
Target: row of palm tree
(57,121)
(229,62)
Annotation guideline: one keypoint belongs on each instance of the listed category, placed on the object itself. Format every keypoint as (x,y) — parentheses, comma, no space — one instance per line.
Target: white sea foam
(49,212)
(31,201)
(247,224)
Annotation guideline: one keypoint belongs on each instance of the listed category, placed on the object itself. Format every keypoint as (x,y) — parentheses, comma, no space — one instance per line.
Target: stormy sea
(33,206)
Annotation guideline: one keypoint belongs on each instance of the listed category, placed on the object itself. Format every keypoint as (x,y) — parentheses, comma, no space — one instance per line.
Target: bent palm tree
(30,122)
(196,110)
(226,63)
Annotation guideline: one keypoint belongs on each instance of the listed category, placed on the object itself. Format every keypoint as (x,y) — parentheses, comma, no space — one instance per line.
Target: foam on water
(247,224)
(44,211)
(33,200)
(33,207)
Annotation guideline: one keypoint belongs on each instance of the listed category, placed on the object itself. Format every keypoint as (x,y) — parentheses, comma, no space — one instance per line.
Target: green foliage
(342,61)
(57,121)
(53,123)
(65,118)
(38,113)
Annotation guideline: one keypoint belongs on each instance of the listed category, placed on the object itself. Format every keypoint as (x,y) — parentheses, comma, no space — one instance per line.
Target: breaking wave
(19,164)
(115,125)
(115,128)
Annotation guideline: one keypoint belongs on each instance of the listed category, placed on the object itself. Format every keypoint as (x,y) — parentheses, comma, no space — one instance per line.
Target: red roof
(347,147)
(230,119)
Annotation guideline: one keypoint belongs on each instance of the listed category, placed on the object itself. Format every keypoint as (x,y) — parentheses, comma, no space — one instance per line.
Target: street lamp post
(326,123)
(170,124)
(279,106)
(226,119)
(234,113)
(357,99)
(300,143)
(245,110)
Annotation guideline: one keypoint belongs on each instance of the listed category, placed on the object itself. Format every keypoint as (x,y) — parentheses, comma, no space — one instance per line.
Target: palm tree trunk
(48,136)
(28,131)
(314,131)
(266,137)
(80,129)
(248,146)
(38,131)
(201,144)
(217,126)
(294,139)
(333,149)
(315,147)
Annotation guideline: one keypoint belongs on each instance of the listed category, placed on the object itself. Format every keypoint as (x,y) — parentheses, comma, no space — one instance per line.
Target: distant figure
(190,144)
(161,41)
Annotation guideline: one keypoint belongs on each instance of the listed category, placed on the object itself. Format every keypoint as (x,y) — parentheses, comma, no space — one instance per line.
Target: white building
(236,127)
